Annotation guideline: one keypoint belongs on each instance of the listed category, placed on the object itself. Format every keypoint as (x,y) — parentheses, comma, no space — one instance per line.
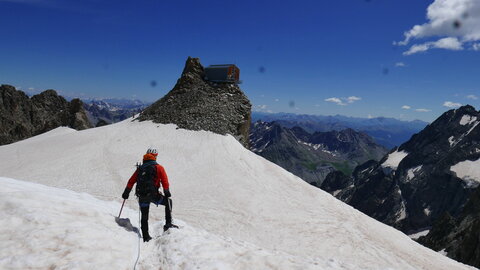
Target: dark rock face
(312,156)
(458,237)
(22,117)
(336,183)
(416,191)
(416,186)
(196,104)
(101,123)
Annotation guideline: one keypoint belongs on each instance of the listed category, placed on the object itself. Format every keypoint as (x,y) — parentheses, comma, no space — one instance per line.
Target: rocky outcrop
(22,117)
(458,237)
(196,104)
(416,183)
(312,156)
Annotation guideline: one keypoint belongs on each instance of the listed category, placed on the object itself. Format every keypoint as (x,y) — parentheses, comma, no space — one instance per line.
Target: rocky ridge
(459,237)
(22,117)
(311,156)
(414,185)
(196,104)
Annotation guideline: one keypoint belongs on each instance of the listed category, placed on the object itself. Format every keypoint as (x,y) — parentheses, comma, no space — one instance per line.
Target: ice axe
(125,222)
(121,208)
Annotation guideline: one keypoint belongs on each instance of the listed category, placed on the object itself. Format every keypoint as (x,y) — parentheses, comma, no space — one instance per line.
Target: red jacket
(160,178)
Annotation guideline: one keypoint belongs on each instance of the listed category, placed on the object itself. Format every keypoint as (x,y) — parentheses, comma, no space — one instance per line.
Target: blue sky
(351,57)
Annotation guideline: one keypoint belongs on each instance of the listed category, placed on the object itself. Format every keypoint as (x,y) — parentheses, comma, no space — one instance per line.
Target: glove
(167,193)
(126,193)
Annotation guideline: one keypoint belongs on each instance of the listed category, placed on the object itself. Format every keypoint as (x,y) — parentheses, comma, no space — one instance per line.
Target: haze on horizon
(405,59)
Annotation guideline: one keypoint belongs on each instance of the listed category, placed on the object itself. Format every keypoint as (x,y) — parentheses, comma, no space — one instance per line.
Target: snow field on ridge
(394,159)
(222,188)
(55,228)
(48,228)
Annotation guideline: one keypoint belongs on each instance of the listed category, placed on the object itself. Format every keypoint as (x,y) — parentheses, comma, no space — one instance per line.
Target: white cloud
(335,100)
(352,99)
(457,20)
(449,43)
(416,49)
(423,110)
(400,64)
(406,107)
(31,88)
(259,108)
(450,104)
(472,97)
(343,101)
(370,116)
(277,100)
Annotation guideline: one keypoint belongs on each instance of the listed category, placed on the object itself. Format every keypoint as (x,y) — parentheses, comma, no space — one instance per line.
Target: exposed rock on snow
(196,104)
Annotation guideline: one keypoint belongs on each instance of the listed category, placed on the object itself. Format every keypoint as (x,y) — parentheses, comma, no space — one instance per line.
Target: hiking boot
(168,226)
(146,238)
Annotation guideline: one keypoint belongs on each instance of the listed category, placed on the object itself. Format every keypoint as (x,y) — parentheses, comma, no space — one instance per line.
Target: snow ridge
(225,196)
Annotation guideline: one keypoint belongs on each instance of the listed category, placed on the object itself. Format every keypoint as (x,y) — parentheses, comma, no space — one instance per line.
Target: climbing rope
(138,250)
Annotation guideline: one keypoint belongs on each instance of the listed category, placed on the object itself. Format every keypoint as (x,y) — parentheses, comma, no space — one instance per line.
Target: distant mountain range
(432,179)
(106,111)
(311,156)
(119,103)
(389,132)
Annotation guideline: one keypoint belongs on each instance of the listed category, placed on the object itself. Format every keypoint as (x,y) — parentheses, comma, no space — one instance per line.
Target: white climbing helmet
(152,151)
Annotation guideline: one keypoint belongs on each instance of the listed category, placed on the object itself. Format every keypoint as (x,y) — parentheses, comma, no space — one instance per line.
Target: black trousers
(145,208)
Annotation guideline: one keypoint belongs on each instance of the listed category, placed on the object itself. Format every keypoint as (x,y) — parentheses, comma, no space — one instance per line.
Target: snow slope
(469,171)
(394,159)
(55,228)
(223,192)
(48,228)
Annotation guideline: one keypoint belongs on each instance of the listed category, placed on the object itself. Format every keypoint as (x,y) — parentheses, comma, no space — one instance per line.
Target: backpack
(145,180)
